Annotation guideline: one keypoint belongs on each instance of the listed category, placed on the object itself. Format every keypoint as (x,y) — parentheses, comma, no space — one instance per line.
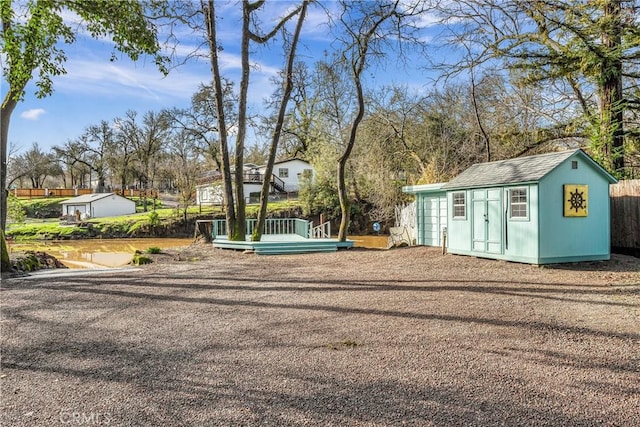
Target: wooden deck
(274,244)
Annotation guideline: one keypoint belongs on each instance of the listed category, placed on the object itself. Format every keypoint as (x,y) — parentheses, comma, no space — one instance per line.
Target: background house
(286,179)
(543,209)
(291,172)
(99,205)
(210,193)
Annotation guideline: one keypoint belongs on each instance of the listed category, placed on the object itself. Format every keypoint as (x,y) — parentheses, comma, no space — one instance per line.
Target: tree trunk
(240,229)
(358,63)
(345,205)
(8,105)
(101,184)
(230,214)
(266,182)
(476,111)
(5,264)
(611,100)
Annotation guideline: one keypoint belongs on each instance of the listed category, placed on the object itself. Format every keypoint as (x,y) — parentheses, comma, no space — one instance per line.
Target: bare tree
(277,131)
(299,131)
(92,149)
(208,9)
(186,159)
(234,195)
(122,157)
(152,135)
(200,120)
(367,29)
(146,140)
(38,165)
(590,46)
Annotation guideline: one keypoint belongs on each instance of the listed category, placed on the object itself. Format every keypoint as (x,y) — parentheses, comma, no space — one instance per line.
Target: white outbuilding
(98,205)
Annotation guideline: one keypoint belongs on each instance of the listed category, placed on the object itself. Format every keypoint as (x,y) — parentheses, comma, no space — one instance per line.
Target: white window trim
(525,203)
(453,205)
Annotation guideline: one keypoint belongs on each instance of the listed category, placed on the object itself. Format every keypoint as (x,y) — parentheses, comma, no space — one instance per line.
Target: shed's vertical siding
(566,239)
(459,229)
(431,218)
(521,234)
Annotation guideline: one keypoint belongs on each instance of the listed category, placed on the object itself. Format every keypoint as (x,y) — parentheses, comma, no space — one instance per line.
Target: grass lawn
(140,222)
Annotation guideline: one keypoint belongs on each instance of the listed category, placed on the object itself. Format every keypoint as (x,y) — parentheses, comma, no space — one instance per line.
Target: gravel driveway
(354,338)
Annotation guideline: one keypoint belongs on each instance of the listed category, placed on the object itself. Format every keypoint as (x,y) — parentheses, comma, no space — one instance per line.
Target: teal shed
(431,213)
(543,209)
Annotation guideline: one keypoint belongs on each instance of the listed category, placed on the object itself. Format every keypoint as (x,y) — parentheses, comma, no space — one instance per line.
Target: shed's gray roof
(87,198)
(424,188)
(512,171)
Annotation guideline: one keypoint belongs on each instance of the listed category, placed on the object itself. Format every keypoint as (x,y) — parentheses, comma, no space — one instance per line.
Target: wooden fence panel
(73,192)
(32,193)
(625,215)
(29,192)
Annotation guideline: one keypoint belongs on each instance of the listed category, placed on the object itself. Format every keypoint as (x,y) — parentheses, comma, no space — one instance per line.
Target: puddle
(92,253)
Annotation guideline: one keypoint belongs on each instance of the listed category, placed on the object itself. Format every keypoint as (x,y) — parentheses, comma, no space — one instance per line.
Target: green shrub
(320,198)
(15,209)
(141,260)
(154,219)
(153,250)
(48,207)
(139,225)
(29,262)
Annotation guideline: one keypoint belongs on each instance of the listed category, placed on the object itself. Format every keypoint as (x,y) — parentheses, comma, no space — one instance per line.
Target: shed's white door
(487,221)
(434,219)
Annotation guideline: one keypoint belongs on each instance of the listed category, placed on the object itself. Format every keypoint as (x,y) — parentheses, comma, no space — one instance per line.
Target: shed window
(459,205)
(283,172)
(519,203)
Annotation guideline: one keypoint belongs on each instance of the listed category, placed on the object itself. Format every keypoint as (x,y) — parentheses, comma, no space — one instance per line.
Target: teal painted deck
(278,244)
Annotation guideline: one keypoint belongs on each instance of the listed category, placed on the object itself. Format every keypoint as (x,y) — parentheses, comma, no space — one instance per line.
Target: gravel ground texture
(355,338)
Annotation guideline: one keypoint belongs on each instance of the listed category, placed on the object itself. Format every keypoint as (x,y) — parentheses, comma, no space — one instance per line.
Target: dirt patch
(361,337)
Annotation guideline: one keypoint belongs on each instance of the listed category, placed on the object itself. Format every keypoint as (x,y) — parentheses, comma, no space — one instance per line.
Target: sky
(96,89)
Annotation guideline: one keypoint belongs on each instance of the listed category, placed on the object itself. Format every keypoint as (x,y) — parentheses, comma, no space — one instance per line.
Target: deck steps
(272,248)
(279,247)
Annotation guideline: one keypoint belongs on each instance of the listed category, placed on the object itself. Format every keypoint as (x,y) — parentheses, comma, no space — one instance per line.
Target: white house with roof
(291,173)
(286,178)
(98,205)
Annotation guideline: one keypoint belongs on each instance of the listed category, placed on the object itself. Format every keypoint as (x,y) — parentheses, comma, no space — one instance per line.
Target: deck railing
(321,231)
(257,177)
(271,226)
(219,227)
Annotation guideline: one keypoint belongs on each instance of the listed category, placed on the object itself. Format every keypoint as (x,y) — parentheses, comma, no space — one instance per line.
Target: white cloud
(33,114)
(122,80)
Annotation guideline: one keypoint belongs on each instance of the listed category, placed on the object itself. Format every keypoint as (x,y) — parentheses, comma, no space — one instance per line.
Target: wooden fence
(625,216)
(32,193)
